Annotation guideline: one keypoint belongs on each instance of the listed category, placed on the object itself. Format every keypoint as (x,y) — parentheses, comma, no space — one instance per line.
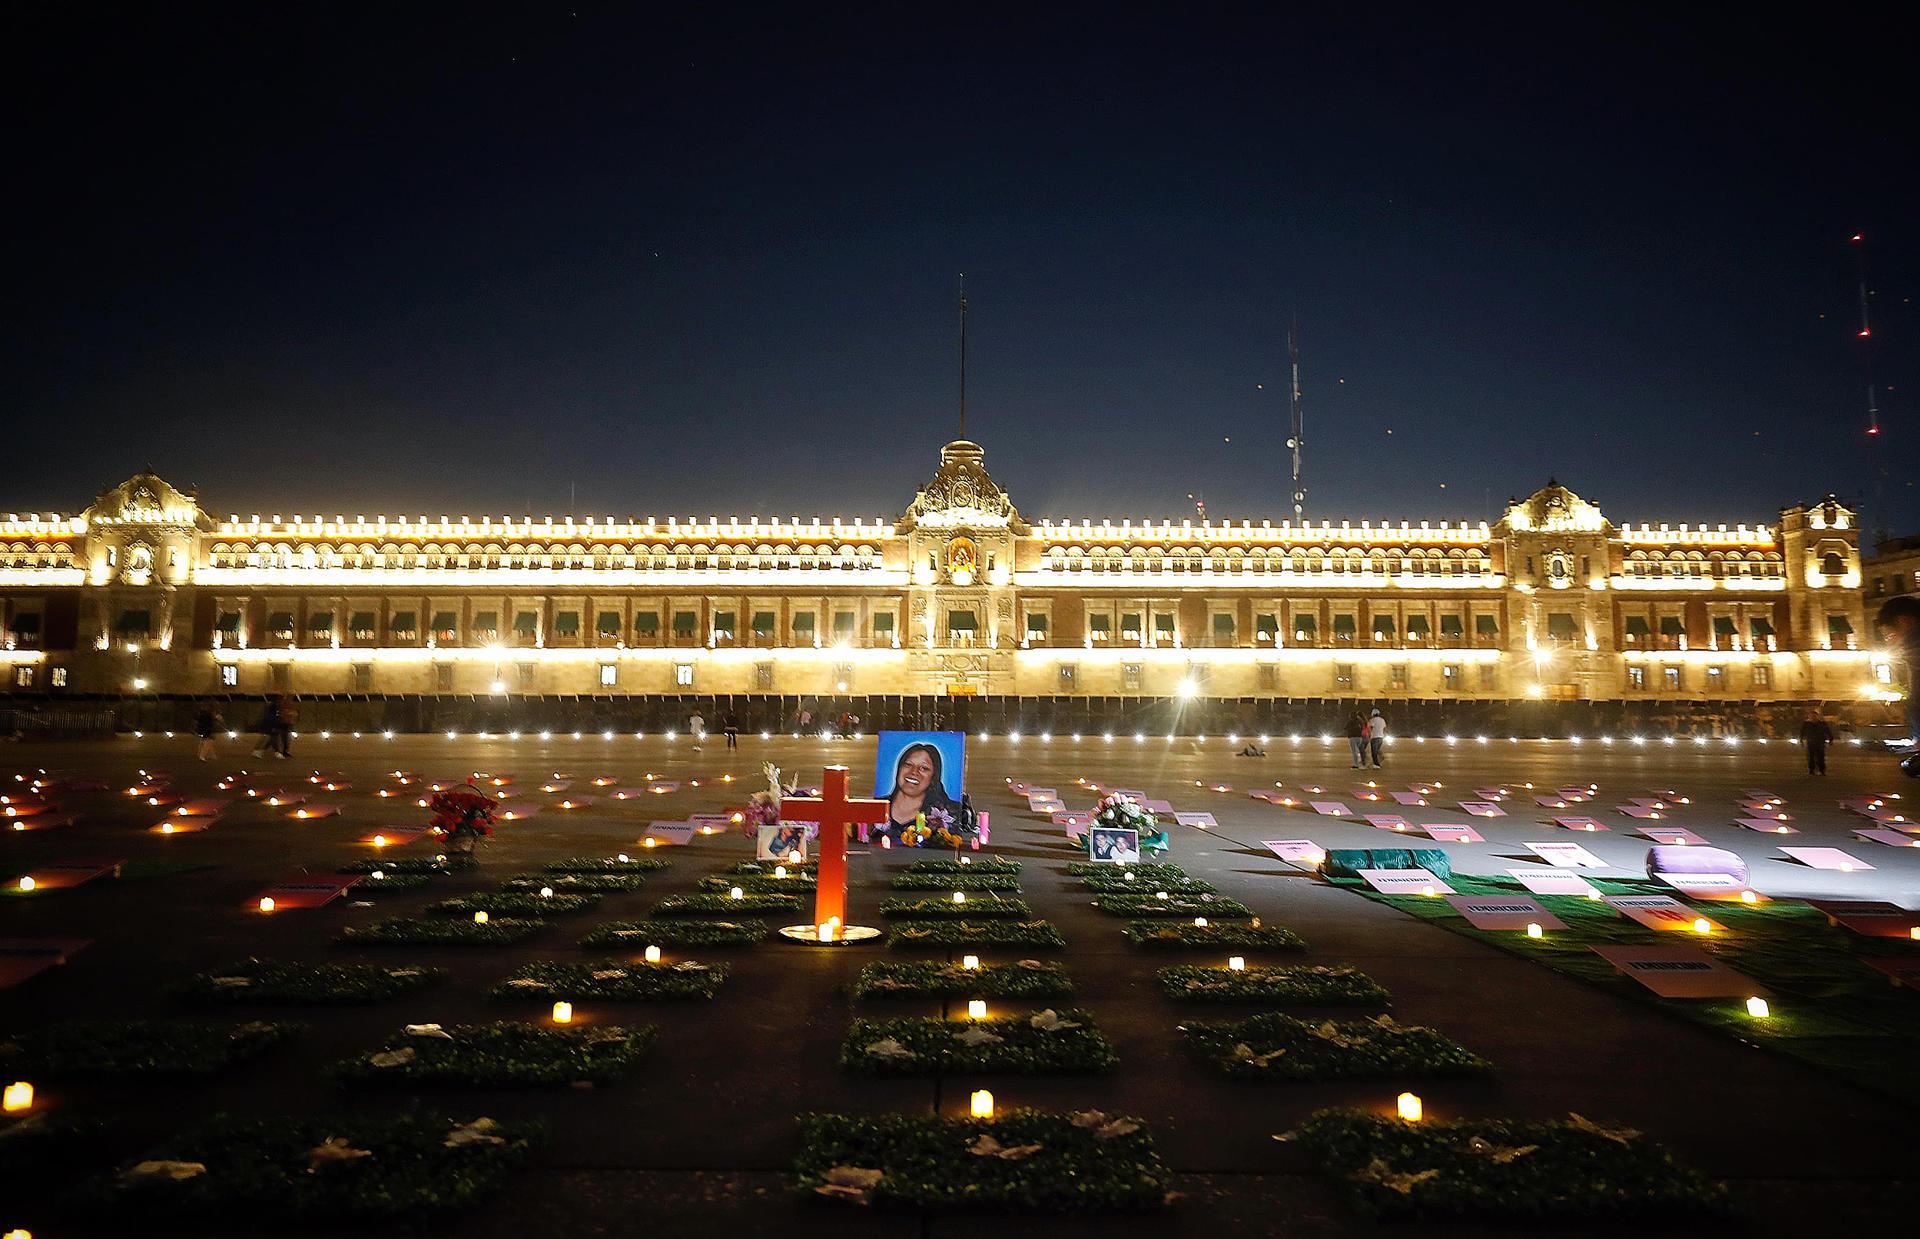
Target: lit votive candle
(480,918)
(1409,1108)
(563,1013)
(736,893)
(652,955)
(19,1097)
(976,1009)
(1758,1009)
(266,903)
(1236,963)
(981,1104)
(970,963)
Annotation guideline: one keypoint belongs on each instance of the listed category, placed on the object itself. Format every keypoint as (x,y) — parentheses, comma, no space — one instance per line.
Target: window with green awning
(961,621)
(607,624)
(1637,626)
(1486,625)
(685,623)
(404,624)
(486,623)
(1266,625)
(1345,626)
(1560,626)
(1417,626)
(228,623)
(1672,626)
(320,621)
(566,623)
(646,623)
(1452,626)
(883,623)
(764,623)
(526,623)
(1383,627)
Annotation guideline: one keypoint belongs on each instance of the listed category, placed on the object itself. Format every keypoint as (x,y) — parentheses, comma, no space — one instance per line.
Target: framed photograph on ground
(782,841)
(1114,845)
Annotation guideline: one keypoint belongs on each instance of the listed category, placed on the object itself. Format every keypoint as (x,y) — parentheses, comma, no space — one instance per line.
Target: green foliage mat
(1027,979)
(1120,884)
(117,1049)
(1028,934)
(1505,1170)
(512,904)
(633,935)
(1149,871)
(983,905)
(279,981)
(1830,1010)
(724,905)
(1276,1046)
(971,864)
(440,931)
(429,865)
(923,1045)
(503,1054)
(269,1172)
(1185,935)
(1047,1162)
(576,883)
(1150,904)
(958,880)
(761,883)
(1308,985)
(41,1153)
(388,883)
(608,864)
(765,868)
(613,982)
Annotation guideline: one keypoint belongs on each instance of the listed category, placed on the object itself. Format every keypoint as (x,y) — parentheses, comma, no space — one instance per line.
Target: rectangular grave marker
(1680,972)
(1564,855)
(1504,912)
(1414,881)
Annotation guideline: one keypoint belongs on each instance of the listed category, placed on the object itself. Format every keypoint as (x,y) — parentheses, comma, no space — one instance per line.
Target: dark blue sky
(393,258)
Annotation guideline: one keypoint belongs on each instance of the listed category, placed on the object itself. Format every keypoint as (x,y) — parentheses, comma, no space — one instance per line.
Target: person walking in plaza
(731,726)
(286,712)
(697,728)
(1376,736)
(1815,736)
(268,723)
(205,725)
(1357,739)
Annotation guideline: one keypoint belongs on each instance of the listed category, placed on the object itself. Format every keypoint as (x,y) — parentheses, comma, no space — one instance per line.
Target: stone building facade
(147,592)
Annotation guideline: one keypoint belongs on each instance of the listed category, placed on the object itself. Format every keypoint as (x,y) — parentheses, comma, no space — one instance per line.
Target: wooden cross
(836,812)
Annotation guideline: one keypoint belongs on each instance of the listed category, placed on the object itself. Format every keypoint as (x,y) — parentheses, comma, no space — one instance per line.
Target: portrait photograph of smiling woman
(920,772)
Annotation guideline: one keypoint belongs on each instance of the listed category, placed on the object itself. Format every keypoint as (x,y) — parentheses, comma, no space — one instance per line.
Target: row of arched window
(694,557)
(1414,561)
(1704,565)
(36,555)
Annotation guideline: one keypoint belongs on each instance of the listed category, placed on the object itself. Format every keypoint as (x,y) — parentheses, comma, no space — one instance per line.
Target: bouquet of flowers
(1126,813)
(462,815)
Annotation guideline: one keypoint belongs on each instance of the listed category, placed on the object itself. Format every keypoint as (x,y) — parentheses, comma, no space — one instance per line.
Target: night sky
(386,258)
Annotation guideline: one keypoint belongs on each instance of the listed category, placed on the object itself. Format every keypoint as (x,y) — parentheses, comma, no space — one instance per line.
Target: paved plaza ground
(701,1140)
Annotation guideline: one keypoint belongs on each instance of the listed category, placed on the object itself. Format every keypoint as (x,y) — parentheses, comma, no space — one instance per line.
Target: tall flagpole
(1298,427)
(963,355)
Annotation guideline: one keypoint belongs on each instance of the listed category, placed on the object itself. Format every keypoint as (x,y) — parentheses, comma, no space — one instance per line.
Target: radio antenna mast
(963,355)
(1298,434)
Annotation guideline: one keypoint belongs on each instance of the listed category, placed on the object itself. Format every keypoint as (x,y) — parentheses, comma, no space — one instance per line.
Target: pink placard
(1157,806)
(1447,833)
(1202,820)
(1892,838)
(1482,808)
(1680,972)
(1404,882)
(1661,912)
(518,812)
(1412,800)
(674,833)
(1827,858)
(1640,812)
(1261,793)
(1551,802)
(1302,852)
(1389,821)
(1367,793)
(182,826)
(205,806)
(1765,825)
(1564,855)
(1672,836)
(1586,825)
(1504,912)
(1705,885)
(1554,882)
(308,812)
(1872,918)
(1331,808)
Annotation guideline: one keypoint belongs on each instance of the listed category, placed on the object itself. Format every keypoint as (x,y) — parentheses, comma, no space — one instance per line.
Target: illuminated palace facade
(146,592)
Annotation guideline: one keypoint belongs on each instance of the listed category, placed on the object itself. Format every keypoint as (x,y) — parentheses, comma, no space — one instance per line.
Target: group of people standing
(1367,736)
